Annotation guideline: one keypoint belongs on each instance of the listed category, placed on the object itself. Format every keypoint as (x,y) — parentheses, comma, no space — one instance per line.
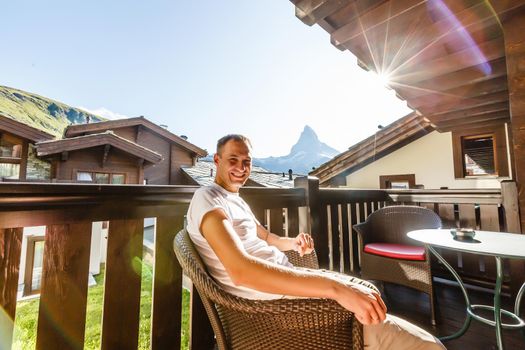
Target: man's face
(234,164)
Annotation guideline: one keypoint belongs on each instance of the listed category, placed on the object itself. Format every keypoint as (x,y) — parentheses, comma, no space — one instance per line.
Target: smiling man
(248,261)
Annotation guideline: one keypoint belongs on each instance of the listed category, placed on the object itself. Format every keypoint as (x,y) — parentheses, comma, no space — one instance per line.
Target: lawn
(27,313)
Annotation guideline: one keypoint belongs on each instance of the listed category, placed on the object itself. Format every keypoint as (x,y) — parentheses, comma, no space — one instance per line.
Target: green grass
(27,315)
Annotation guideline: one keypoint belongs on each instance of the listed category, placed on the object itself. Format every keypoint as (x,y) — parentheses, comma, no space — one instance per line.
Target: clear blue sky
(204,68)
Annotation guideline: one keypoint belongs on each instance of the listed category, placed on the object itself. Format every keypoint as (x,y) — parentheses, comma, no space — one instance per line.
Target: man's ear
(216,159)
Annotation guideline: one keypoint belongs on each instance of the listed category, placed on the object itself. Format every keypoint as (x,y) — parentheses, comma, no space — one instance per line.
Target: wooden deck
(413,306)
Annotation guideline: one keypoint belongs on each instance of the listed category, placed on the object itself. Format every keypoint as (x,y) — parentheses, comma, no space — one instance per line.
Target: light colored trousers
(397,334)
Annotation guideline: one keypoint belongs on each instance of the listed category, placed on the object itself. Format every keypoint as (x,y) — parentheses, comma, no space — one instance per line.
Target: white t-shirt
(244,223)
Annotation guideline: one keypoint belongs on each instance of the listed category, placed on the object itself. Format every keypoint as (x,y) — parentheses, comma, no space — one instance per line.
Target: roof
(47,148)
(390,138)
(22,130)
(203,172)
(445,58)
(81,129)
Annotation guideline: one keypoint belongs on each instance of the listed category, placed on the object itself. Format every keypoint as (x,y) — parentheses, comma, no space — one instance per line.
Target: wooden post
(312,219)
(201,332)
(167,286)
(10,248)
(63,295)
(513,28)
(120,319)
(509,193)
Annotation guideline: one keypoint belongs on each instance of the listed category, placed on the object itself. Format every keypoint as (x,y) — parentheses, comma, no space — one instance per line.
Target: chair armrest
(362,236)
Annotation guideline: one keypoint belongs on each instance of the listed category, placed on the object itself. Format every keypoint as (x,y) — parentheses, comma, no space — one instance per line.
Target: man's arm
(302,243)
(258,274)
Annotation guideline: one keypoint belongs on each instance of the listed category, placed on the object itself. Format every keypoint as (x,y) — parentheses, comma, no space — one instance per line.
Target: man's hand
(365,303)
(303,243)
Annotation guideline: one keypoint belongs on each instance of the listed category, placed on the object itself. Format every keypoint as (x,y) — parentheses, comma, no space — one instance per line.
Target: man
(247,260)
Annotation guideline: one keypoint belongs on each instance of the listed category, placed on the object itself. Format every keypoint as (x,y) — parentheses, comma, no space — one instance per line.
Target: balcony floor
(414,306)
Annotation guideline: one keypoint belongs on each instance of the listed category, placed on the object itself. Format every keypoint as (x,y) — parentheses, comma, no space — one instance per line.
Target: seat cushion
(396,251)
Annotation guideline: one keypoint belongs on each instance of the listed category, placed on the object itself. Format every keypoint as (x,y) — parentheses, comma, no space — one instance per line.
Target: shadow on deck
(413,306)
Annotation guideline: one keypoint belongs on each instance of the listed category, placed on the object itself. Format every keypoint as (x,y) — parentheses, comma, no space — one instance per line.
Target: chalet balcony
(68,210)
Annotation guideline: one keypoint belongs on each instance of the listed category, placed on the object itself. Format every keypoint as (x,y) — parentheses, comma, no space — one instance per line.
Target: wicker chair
(241,323)
(390,225)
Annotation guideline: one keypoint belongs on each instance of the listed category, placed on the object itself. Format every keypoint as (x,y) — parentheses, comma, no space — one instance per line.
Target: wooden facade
(15,139)
(457,63)
(176,152)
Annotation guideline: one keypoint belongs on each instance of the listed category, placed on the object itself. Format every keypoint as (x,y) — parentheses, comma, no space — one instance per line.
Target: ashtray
(464,234)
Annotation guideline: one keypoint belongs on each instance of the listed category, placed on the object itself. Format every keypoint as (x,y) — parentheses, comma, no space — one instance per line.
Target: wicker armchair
(390,225)
(241,323)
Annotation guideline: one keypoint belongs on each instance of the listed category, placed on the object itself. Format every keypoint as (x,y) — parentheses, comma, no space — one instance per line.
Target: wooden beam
(312,11)
(500,117)
(64,156)
(513,28)
(466,76)
(469,57)
(440,98)
(451,104)
(417,95)
(105,156)
(10,251)
(495,107)
(469,126)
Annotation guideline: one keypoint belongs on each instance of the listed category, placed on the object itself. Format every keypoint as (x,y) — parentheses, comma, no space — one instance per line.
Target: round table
(500,245)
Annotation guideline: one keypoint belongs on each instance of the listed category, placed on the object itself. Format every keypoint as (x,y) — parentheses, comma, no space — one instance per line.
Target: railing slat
(293,221)
(167,287)
(446,212)
(336,247)
(120,324)
(10,250)
(346,237)
(489,221)
(63,295)
(354,244)
(467,218)
(276,221)
(201,333)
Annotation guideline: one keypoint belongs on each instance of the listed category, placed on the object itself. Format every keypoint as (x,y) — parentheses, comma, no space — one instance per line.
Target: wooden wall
(91,160)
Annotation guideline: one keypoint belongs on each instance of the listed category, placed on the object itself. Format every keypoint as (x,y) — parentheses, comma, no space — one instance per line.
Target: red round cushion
(396,251)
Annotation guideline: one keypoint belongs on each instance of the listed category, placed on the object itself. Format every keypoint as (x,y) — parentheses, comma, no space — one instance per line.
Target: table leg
(497,302)
(468,317)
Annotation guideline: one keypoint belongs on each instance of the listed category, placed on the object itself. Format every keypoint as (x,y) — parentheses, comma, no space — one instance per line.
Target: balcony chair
(388,255)
(240,323)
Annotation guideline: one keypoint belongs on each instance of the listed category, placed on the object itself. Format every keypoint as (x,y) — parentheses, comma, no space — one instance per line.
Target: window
(478,155)
(404,181)
(10,156)
(481,152)
(101,178)
(34,263)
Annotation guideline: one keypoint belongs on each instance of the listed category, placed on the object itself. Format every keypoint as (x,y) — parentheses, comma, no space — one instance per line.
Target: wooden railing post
(509,194)
(312,220)
(167,286)
(10,249)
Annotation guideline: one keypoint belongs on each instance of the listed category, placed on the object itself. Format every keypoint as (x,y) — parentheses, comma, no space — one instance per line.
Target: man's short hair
(235,137)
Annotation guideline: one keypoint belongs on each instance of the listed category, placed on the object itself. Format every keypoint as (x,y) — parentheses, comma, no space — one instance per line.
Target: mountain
(40,112)
(308,152)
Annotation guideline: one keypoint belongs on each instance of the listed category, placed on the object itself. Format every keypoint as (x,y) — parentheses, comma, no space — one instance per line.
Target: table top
(503,244)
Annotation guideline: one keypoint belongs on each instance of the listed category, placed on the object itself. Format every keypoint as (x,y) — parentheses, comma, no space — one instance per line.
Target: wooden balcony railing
(67,210)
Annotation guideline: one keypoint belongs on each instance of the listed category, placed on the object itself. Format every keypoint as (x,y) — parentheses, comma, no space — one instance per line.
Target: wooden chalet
(174,150)
(101,158)
(16,148)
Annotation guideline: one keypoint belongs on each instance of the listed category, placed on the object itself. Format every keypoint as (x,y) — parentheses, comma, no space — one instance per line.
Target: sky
(203,68)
